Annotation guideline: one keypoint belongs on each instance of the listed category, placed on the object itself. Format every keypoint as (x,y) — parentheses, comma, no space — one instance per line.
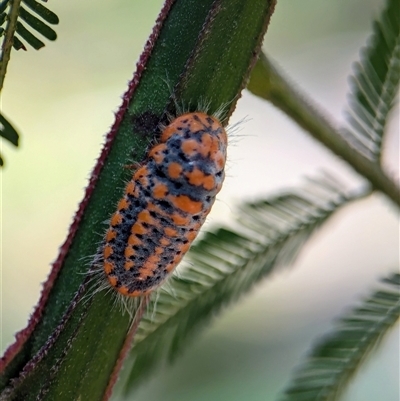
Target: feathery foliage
(375,84)
(374,87)
(28,11)
(226,263)
(336,357)
(14,32)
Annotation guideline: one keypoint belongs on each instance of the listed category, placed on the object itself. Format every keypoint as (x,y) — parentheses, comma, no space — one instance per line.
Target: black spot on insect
(160,174)
(145,124)
(183,157)
(146,193)
(165,205)
(164,221)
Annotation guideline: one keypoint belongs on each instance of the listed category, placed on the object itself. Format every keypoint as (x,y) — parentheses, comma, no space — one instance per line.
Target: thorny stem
(267,83)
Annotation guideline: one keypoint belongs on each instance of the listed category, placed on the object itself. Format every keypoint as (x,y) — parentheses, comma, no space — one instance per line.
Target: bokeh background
(62,100)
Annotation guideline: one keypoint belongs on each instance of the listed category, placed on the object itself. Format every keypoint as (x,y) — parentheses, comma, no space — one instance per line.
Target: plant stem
(126,347)
(268,83)
(8,40)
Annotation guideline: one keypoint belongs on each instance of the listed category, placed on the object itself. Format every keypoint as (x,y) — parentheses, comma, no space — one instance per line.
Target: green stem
(267,83)
(8,40)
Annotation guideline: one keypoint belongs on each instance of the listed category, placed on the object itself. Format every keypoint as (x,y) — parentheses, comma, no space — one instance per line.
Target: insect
(165,204)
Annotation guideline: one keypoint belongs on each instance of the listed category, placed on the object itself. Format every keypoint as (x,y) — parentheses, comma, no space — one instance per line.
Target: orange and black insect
(165,204)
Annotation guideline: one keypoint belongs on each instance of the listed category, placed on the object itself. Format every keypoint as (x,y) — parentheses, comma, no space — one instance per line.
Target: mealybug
(165,204)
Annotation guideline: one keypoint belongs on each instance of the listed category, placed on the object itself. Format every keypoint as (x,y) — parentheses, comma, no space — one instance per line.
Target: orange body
(165,204)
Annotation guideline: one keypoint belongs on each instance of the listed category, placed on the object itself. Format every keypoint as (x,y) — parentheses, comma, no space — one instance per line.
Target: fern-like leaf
(225,264)
(13,30)
(31,18)
(375,83)
(336,357)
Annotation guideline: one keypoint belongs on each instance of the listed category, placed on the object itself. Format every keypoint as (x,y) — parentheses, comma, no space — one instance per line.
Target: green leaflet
(375,83)
(7,131)
(42,11)
(37,24)
(28,36)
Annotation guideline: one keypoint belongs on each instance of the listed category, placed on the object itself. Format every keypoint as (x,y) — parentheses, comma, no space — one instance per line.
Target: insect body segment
(165,204)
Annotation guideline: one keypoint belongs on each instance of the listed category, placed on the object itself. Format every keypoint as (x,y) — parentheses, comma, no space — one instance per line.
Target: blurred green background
(62,101)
